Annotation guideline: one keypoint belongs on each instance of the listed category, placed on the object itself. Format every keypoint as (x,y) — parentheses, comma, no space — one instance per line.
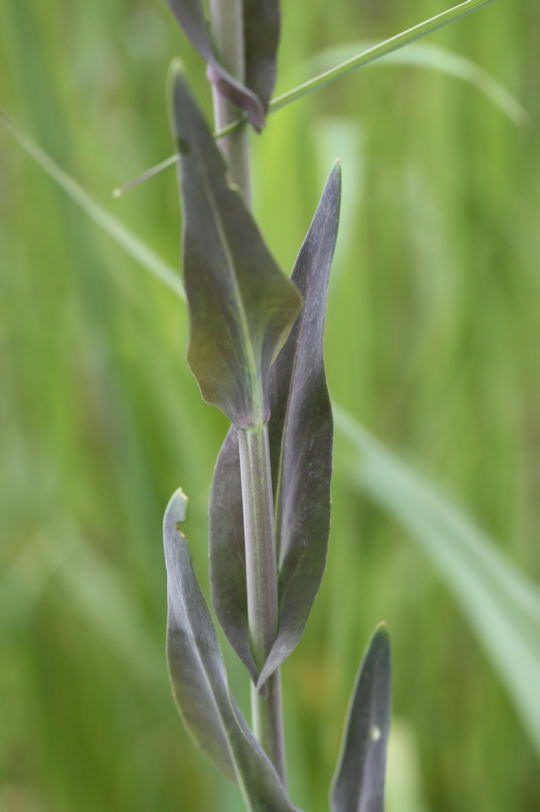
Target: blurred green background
(432,343)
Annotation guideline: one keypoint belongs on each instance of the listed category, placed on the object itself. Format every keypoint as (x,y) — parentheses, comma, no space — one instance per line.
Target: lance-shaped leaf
(227,552)
(261,38)
(300,430)
(199,680)
(241,306)
(358,784)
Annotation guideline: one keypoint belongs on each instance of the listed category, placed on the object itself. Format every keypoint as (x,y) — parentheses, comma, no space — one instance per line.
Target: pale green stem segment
(261,575)
(260,546)
(235,124)
(228,33)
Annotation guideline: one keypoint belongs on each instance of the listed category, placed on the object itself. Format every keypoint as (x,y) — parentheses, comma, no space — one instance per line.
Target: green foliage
(260,36)
(502,603)
(241,305)
(434,57)
(436,282)
(199,681)
(358,785)
(241,311)
(300,436)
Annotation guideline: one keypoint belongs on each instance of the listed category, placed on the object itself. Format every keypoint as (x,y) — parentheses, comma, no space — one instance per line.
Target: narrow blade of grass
(500,603)
(366,57)
(379,50)
(443,60)
(131,244)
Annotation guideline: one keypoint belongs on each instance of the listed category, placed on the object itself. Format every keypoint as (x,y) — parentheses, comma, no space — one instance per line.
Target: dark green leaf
(261,39)
(499,601)
(199,680)
(227,553)
(241,306)
(300,433)
(301,449)
(359,780)
(195,665)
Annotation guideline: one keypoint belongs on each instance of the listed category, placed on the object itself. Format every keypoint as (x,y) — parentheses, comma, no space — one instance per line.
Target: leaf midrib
(253,370)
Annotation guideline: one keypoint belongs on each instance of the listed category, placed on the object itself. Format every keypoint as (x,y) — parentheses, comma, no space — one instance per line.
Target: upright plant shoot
(256,350)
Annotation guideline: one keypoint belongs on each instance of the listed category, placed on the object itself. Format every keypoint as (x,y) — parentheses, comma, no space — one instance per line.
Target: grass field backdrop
(433,343)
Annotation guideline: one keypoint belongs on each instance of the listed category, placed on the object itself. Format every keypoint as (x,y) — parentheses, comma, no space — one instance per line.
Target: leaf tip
(176,81)
(381,631)
(183,110)
(336,174)
(176,69)
(379,644)
(176,510)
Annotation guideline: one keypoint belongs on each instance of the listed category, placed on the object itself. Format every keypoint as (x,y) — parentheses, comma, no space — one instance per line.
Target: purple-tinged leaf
(300,431)
(358,784)
(261,39)
(190,15)
(227,552)
(199,680)
(190,632)
(241,306)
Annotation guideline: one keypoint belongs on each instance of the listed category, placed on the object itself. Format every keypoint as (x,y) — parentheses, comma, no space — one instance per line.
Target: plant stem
(226,18)
(257,501)
(261,574)
(229,126)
